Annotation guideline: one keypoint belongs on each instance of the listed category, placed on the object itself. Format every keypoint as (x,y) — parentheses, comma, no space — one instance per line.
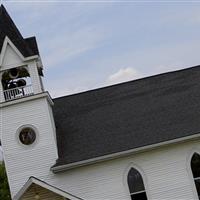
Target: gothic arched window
(195,166)
(136,185)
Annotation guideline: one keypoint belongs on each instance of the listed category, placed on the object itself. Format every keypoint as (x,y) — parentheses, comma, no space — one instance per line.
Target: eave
(64,167)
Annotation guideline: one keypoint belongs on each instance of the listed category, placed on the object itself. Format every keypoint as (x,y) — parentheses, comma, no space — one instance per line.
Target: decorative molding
(189,170)
(7,42)
(28,98)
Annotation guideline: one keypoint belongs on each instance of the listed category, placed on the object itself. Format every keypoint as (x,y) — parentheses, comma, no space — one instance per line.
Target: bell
(13,73)
(12,85)
(21,82)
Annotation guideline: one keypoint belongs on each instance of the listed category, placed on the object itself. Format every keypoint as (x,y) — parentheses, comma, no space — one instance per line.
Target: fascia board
(61,168)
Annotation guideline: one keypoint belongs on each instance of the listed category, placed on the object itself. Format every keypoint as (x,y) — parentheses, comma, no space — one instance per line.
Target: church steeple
(20,63)
(27,47)
(27,129)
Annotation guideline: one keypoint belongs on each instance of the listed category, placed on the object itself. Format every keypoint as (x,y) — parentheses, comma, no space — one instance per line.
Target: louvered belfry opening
(16,83)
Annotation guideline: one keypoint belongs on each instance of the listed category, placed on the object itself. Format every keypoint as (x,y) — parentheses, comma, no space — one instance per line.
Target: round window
(27,136)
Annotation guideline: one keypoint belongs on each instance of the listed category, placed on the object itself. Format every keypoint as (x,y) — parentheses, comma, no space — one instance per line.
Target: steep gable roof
(27,47)
(127,116)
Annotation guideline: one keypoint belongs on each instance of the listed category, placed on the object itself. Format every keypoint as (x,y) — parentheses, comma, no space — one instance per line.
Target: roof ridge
(5,13)
(131,81)
(9,29)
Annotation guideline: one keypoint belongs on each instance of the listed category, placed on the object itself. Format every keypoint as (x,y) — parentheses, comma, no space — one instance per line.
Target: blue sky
(87,45)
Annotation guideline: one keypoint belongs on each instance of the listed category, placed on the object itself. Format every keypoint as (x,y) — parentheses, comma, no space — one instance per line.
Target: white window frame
(144,178)
(189,170)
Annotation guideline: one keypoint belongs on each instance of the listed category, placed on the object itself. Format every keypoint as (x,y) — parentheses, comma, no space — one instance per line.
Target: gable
(35,190)
(36,187)
(11,56)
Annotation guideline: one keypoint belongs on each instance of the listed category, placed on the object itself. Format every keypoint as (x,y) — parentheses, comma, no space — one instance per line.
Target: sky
(90,44)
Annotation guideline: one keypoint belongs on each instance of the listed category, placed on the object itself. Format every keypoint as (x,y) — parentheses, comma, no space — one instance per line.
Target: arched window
(195,166)
(136,185)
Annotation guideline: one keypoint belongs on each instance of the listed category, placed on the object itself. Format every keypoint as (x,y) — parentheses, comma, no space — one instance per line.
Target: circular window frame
(36,135)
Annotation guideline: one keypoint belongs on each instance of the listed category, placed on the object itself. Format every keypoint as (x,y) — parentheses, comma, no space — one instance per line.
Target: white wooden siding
(166,173)
(165,170)
(10,58)
(25,161)
(35,79)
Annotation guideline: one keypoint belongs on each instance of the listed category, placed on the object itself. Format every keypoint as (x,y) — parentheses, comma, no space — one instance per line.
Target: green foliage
(4,188)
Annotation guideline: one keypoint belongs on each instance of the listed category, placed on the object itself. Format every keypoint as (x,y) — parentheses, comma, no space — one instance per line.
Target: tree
(4,187)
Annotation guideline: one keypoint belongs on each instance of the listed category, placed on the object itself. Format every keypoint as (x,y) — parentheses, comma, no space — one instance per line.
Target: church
(138,140)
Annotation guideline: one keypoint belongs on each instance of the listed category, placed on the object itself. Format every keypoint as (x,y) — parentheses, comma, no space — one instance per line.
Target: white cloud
(122,75)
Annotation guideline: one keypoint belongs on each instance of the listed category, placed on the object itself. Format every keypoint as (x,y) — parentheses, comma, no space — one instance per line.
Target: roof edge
(45,185)
(27,46)
(60,168)
(127,82)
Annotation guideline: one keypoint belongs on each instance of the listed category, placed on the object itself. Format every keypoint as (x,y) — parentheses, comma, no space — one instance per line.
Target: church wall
(23,161)
(165,170)
(166,173)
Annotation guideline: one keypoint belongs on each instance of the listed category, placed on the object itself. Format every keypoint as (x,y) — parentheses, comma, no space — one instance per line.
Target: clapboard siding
(35,79)
(25,161)
(165,170)
(11,57)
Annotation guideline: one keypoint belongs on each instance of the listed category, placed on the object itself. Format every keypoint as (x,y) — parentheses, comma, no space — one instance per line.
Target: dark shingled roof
(27,47)
(128,115)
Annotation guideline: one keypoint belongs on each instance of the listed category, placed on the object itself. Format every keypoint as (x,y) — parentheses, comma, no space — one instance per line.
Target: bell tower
(20,77)
(20,63)
(27,129)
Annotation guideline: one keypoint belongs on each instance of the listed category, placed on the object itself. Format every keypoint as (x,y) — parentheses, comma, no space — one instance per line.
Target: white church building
(138,140)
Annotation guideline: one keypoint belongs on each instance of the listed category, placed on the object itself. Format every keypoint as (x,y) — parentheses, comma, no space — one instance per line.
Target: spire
(27,46)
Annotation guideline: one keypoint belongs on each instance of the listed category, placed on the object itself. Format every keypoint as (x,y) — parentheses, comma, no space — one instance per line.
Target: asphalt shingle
(128,115)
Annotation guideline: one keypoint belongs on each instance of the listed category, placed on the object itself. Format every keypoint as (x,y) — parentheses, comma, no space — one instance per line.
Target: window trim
(18,133)
(137,192)
(144,178)
(189,169)
(197,178)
